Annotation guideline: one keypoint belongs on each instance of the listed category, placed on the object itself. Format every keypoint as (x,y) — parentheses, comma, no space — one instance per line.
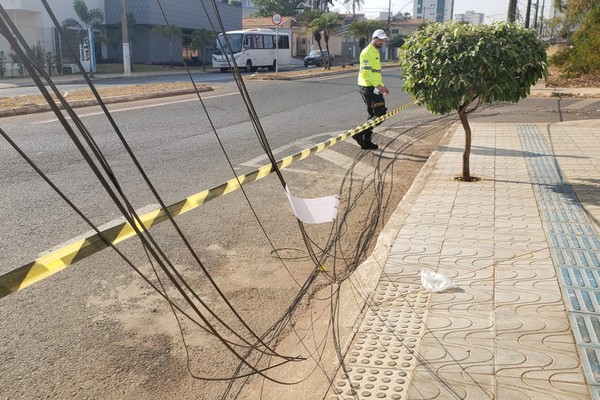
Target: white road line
(360,169)
(261,160)
(139,107)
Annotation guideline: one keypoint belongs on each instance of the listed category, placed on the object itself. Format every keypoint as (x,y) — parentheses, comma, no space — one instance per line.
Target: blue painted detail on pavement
(574,245)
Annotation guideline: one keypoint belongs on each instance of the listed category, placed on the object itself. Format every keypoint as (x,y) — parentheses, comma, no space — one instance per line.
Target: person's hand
(383,90)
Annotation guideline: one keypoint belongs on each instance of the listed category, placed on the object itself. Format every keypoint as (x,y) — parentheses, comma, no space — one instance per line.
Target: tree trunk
(328,64)
(466,175)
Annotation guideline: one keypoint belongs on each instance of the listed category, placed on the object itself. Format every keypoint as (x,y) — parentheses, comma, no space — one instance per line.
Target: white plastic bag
(434,282)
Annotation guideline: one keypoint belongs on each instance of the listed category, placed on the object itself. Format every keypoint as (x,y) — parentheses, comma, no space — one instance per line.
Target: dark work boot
(359,139)
(368,143)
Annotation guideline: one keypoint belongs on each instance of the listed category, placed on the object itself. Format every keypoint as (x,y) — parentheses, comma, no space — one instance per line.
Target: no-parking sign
(276,19)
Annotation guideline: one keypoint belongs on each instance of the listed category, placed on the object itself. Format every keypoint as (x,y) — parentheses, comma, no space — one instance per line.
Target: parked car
(316,58)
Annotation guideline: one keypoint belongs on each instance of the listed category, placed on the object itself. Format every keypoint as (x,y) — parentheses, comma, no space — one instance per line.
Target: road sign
(276,19)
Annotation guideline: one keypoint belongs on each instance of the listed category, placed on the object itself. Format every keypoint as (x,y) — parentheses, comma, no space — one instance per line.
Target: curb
(560,92)
(360,285)
(93,102)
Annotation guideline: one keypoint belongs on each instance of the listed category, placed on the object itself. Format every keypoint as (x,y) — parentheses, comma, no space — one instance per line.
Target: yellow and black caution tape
(58,260)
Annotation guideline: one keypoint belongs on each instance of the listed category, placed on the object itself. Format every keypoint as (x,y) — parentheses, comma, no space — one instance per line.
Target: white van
(253,49)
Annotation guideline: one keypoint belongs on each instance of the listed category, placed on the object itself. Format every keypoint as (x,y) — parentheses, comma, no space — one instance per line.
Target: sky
(494,10)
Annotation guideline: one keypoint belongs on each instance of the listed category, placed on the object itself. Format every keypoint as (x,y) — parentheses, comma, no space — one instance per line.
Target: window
(258,42)
(284,42)
(269,42)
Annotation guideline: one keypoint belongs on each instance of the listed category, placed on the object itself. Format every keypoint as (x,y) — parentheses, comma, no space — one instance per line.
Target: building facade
(433,10)
(148,47)
(35,24)
(470,16)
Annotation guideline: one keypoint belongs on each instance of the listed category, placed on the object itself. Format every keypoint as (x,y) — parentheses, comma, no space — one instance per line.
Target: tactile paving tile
(575,258)
(595,391)
(383,353)
(579,277)
(362,383)
(588,328)
(575,249)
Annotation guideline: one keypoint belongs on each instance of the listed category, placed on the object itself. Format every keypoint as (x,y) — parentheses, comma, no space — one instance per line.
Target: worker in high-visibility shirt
(371,85)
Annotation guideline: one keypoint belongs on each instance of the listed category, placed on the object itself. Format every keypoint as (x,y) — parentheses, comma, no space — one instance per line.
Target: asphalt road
(26,86)
(95,330)
(175,143)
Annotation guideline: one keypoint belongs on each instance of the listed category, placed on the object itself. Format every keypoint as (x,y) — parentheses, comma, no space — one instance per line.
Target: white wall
(35,24)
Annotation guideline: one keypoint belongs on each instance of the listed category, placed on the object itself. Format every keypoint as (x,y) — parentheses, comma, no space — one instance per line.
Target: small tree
(50,62)
(325,23)
(461,66)
(266,8)
(2,64)
(203,39)
(88,19)
(362,30)
(14,59)
(398,41)
(39,54)
(165,31)
(584,56)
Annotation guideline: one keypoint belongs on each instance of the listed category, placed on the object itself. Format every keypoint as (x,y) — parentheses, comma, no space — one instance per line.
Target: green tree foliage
(202,40)
(356,5)
(266,8)
(2,64)
(362,30)
(165,31)
(584,56)
(88,19)
(14,59)
(398,41)
(458,67)
(38,53)
(321,28)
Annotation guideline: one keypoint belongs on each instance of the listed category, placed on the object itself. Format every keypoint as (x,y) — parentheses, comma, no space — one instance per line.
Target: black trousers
(375,107)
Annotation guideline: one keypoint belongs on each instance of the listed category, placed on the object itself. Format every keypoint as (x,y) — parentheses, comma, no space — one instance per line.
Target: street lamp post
(125,33)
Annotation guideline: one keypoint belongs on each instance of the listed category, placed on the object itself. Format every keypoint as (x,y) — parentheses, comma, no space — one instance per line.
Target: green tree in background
(2,64)
(356,5)
(165,31)
(398,41)
(325,23)
(88,19)
(362,30)
(457,67)
(14,59)
(202,40)
(584,56)
(266,8)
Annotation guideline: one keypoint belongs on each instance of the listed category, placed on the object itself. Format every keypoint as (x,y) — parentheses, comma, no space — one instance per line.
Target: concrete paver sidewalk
(524,251)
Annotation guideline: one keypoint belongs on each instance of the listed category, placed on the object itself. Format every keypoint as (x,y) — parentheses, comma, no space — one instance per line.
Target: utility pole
(528,14)
(512,11)
(542,18)
(125,34)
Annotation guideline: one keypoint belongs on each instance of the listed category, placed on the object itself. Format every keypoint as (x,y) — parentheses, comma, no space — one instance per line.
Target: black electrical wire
(36,79)
(309,243)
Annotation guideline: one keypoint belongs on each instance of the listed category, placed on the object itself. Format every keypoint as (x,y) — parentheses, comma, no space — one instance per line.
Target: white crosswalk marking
(581,104)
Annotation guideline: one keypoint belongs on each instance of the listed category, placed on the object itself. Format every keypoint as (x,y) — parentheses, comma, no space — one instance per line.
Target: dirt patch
(556,79)
(117,91)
